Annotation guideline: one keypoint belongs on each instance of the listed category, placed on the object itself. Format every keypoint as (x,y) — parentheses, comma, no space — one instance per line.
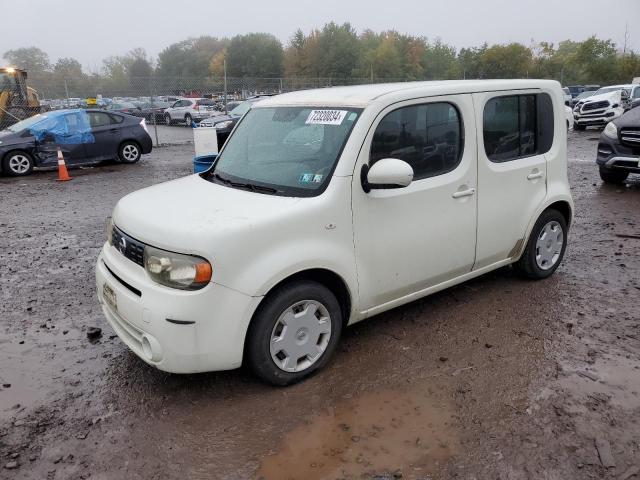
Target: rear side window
(428,137)
(517,126)
(99,119)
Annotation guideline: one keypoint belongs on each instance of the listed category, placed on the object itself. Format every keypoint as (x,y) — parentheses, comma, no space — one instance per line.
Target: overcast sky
(91,30)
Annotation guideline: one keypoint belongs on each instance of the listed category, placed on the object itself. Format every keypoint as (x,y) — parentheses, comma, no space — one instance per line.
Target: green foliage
(189,58)
(335,53)
(256,55)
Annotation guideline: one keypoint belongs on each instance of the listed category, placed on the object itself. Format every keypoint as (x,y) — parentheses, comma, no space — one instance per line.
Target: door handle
(534,176)
(464,193)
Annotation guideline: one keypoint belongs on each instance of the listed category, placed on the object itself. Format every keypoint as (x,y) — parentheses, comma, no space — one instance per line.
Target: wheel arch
(130,140)
(328,278)
(564,208)
(562,204)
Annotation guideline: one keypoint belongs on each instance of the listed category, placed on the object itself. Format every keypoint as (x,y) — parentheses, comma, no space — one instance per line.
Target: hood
(629,119)
(11,138)
(192,215)
(613,97)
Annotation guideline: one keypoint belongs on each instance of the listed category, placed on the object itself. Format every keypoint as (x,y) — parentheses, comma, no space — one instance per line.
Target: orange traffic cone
(63,175)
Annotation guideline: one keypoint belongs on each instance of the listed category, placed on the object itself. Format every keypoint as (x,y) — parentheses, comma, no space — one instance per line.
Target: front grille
(595,105)
(128,246)
(630,137)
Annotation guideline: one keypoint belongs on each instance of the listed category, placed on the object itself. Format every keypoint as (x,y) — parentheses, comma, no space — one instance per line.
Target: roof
(363,95)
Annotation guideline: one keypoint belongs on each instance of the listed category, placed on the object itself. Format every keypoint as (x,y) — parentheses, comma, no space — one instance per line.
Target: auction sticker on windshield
(326,117)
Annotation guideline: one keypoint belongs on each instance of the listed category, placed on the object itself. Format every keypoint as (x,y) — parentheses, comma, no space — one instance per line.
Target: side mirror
(385,174)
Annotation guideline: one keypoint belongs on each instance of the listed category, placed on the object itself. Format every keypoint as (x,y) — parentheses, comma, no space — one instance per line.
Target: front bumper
(614,156)
(174,330)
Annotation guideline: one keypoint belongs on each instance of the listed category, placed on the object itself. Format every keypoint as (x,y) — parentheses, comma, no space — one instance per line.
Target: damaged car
(605,105)
(83,136)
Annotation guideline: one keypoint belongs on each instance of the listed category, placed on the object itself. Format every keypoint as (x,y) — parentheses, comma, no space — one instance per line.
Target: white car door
(409,239)
(517,129)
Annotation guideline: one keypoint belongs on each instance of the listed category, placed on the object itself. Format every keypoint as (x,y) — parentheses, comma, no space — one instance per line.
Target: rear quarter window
(518,126)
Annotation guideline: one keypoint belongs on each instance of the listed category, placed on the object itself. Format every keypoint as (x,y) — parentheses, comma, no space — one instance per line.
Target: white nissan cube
(326,207)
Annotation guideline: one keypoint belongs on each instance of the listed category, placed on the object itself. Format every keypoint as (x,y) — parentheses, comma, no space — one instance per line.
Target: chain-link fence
(154,98)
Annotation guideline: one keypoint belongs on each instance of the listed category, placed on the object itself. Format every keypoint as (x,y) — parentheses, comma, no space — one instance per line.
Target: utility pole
(66,89)
(626,38)
(371,72)
(225,85)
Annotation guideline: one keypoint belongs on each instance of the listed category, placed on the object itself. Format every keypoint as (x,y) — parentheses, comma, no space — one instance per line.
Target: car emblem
(123,245)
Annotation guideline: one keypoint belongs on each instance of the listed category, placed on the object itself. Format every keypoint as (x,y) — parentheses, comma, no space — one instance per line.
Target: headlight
(611,131)
(176,270)
(221,125)
(109,230)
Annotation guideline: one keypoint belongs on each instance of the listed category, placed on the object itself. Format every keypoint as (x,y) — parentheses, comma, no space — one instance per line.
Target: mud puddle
(376,433)
(615,380)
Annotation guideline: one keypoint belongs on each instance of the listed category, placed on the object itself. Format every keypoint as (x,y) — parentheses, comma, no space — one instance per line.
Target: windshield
(25,124)
(242,108)
(611,89)
(284,150)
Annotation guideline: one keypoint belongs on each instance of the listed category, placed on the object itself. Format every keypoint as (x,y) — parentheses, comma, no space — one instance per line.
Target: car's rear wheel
(546,246)
(617,177)
(188,120)
(577,126)
(167,119)
(294,332)
(129,152)
(17,164)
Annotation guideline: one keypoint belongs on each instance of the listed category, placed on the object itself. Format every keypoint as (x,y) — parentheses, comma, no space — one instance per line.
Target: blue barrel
(202,164)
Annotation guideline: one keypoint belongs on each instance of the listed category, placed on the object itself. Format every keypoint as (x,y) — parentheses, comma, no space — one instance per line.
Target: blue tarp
(65,127)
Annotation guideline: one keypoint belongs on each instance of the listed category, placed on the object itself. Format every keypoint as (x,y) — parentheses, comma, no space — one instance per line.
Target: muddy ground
(498,378)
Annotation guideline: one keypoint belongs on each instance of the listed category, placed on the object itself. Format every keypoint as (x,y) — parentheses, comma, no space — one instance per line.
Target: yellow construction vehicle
(17,100)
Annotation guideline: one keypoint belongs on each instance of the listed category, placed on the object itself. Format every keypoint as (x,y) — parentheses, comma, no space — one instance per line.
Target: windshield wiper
(248,186)
(253,187)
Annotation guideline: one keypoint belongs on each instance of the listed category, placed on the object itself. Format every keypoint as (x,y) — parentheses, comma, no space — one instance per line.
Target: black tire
(17,164)
(257,346)
(616,177)
(167,119)
(129,152)
(577,126)
(528,266)
(188,120)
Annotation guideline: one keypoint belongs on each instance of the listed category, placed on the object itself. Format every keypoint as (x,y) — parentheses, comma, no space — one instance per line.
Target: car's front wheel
(129,152)
(546,246)
(616,177)
(294,332)
(17,164)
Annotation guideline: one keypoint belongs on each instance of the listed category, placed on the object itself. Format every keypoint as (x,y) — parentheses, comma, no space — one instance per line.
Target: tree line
(335,52)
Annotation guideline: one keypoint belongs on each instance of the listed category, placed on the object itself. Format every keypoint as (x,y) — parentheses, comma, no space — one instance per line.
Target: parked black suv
(619,148)
(224,124)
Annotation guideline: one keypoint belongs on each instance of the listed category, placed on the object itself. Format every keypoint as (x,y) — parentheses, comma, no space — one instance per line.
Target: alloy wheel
(19,164)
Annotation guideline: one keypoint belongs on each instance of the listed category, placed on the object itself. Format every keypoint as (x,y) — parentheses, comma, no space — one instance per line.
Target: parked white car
(326,207)
(608,103)
(189,110)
